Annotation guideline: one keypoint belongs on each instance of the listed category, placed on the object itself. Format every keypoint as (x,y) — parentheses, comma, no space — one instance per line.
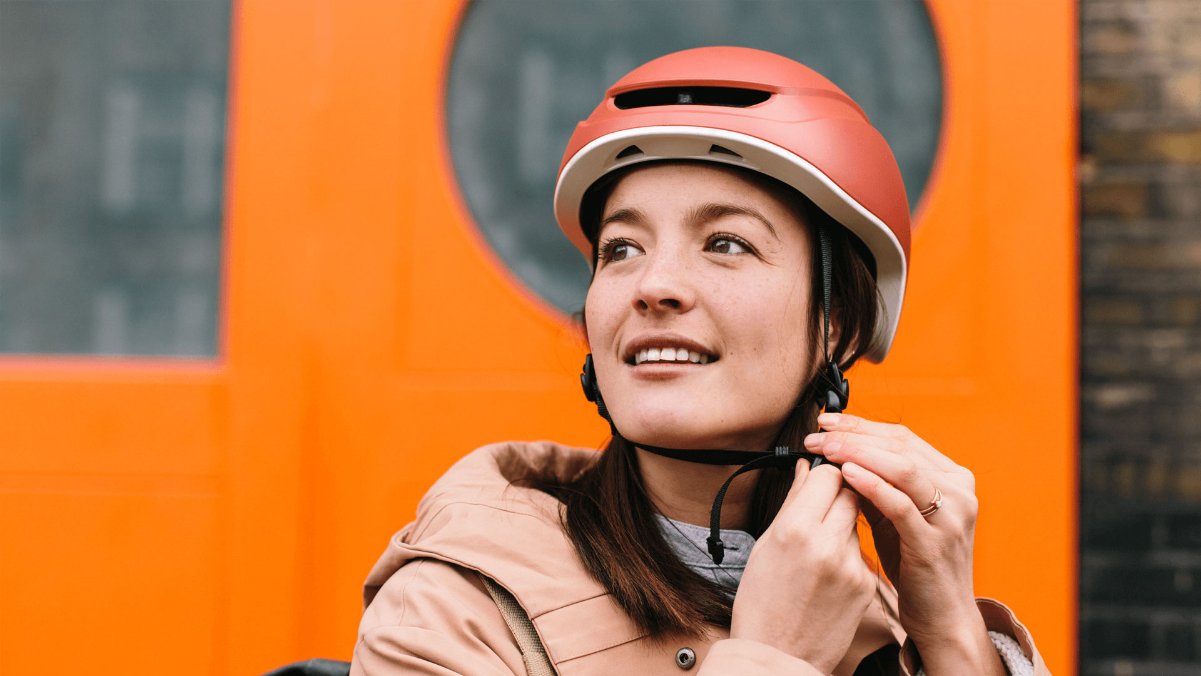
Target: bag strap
(533,654)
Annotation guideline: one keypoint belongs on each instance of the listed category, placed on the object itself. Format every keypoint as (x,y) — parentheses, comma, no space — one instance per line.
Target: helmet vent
(719,150)
(628,151)
(732,97)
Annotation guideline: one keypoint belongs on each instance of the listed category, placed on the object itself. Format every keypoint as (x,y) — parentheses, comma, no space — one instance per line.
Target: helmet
(764,112)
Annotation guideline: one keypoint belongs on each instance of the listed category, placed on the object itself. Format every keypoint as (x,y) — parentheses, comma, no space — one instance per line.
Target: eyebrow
(709,211)
(626,215)
(712,211)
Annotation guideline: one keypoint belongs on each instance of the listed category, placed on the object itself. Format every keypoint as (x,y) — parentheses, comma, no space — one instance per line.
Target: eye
(725,243)
(617,249)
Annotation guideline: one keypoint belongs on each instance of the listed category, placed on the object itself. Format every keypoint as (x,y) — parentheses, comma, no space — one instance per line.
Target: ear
(835,327)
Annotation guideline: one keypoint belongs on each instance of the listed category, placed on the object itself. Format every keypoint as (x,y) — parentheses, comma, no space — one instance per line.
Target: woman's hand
(928,558)
(806,585)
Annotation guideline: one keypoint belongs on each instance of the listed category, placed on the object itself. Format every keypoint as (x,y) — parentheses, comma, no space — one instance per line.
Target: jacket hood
(476,518)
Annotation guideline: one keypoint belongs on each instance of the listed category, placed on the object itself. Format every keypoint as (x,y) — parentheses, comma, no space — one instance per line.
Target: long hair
(609,517)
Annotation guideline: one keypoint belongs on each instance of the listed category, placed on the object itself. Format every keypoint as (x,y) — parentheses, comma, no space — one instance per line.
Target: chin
(667,428)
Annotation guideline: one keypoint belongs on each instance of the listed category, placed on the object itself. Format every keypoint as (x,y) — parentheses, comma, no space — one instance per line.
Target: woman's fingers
(844,510)
(914,476)
(891,436)
(893,504)
(812,495)
(853,423)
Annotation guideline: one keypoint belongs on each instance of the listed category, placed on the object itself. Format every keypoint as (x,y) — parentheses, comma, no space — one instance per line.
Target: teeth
(670,354)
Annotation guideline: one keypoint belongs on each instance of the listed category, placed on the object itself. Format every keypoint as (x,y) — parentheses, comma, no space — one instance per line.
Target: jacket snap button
(685,658)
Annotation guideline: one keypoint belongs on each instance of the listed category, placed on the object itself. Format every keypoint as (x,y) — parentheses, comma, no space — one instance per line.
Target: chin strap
(832,400)
(782,457)
(838,392)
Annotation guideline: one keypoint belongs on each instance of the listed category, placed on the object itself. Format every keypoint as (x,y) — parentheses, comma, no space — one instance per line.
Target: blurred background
(267,269)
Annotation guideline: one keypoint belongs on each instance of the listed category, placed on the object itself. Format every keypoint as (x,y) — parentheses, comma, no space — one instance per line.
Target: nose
(665,285)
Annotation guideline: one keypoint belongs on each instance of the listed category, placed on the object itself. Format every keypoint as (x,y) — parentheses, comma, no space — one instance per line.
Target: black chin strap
(781,457)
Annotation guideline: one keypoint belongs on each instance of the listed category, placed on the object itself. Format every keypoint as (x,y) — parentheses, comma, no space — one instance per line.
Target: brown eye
(617,249)
(728,244)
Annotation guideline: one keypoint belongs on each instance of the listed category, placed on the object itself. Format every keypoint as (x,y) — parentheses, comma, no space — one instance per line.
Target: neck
(684,491)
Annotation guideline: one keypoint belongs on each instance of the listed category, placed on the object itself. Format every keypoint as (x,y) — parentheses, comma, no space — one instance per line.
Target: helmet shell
(773,116)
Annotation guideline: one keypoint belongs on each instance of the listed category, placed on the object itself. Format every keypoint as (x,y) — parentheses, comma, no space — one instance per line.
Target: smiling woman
(748,234)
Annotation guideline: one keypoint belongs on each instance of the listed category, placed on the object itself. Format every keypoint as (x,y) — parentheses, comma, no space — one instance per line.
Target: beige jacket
(428,612)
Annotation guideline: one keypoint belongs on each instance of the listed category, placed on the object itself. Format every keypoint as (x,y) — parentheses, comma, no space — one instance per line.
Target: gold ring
(935,504)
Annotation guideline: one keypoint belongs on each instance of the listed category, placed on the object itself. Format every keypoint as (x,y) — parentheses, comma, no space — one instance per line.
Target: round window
(524,72)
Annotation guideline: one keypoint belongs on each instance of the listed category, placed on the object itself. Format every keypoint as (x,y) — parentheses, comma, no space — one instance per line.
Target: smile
(658,355)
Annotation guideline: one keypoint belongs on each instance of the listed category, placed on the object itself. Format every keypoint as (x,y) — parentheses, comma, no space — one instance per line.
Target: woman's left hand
(928,559)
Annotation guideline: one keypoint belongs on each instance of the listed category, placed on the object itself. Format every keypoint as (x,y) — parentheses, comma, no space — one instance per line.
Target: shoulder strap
(537,663)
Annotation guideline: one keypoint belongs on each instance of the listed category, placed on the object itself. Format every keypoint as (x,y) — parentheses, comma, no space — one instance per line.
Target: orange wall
(219,516)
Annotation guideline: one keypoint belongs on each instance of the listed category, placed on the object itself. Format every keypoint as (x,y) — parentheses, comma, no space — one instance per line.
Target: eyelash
(733,238)
(604,251)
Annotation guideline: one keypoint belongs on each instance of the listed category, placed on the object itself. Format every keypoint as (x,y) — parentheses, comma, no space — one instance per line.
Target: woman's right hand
(806,585)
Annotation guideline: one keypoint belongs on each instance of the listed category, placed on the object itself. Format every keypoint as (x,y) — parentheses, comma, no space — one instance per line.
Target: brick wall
(1140,180)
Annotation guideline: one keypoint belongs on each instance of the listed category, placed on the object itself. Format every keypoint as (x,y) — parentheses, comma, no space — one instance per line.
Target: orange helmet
(760,111)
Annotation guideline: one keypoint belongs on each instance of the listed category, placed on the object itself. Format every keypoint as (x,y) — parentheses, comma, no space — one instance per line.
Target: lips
(665,348)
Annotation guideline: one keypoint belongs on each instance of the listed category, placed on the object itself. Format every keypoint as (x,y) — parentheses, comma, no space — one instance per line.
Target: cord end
(717,549)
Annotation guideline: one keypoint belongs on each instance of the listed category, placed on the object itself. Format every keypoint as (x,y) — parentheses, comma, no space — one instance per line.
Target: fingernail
(850,470)
(813,441)
(833,444)
(828,419)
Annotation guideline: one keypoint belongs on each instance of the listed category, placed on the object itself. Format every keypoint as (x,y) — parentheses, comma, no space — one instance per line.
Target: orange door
(218,516)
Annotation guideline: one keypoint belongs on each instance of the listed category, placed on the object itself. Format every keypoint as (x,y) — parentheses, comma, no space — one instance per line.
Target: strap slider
(717,549)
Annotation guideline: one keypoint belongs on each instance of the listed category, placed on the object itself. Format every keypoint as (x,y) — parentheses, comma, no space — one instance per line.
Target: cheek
(598,316)
(775,323)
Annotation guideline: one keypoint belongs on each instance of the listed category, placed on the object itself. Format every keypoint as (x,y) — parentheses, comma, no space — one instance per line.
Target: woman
(748,233)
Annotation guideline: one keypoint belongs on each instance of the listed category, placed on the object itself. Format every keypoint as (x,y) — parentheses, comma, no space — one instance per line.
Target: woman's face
(698,312)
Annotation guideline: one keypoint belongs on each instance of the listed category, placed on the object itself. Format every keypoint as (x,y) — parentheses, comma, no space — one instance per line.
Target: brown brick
(1182,91)
(1188,483)
(1120,396)
(1185,311)
(1110,94)
(1110,311)
(1125,200)
(1157,478)
(1169,146)
(1188,365)
(1110,38)
(1186,40)
(1180,199)
(1112,147)
(1156,256)
(1183,147)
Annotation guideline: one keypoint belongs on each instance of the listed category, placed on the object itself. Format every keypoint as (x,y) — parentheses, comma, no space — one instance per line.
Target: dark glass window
(112,152)
(525,71)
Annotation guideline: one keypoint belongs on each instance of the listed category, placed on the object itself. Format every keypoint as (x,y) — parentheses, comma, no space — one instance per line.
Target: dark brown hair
(609,517)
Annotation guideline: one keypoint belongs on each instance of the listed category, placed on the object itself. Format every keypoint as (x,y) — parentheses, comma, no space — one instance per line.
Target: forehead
(704,182)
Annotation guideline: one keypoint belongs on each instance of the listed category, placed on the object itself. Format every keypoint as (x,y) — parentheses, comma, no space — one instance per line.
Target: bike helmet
(764,112)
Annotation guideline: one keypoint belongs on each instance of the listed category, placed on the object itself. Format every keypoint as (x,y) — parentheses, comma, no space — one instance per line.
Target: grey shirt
(688,541)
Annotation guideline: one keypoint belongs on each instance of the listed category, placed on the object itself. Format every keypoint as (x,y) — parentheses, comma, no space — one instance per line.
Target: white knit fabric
(1011,653)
